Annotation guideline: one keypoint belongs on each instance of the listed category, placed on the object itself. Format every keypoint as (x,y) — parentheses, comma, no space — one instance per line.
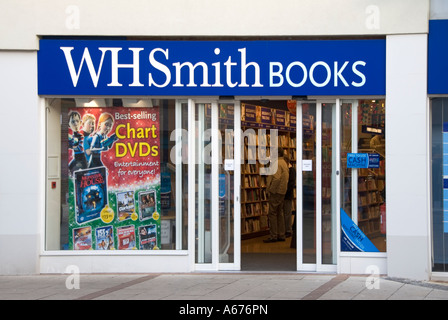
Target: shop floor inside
(259,256)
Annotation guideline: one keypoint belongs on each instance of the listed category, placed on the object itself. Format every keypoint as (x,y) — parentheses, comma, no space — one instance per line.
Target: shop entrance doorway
(268,128)
(307,133)
(228,181)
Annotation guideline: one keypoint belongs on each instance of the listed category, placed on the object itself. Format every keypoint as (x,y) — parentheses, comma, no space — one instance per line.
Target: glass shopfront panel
(203,184)
(309,182)
(439,184)
(328,190)
(363,178)
(214,185)
(226,128)
(116,175)
(319,187)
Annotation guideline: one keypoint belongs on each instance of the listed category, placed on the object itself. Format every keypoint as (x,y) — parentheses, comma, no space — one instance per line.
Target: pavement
(216,286)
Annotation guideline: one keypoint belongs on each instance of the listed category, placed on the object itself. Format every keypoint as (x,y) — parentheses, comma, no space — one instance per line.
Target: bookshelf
(371,184)
(257,123)
(370,187)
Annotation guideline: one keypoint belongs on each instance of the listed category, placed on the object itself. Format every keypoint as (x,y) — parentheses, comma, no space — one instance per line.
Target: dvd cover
(91,193)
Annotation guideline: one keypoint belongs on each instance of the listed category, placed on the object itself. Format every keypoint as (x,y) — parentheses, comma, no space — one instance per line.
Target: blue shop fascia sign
(437,57)
(174,68)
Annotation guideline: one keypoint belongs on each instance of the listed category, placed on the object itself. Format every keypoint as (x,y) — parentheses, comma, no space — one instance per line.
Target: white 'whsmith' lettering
(296,73)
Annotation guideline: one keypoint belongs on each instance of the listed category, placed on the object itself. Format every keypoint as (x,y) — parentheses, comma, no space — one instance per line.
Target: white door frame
(318,266)
(215,265)
(236,265)
(215,142)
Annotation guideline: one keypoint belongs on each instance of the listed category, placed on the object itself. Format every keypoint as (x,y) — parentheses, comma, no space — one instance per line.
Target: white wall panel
(406,156)
(21,194)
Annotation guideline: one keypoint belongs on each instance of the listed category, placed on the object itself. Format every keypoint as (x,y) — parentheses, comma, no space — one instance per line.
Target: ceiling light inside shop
(137,103)
(90,103)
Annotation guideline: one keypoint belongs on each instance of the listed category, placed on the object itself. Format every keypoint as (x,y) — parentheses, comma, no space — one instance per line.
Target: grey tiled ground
(217,286)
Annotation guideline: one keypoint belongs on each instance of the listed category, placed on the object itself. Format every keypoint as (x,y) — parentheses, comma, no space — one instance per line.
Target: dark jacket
(291,183)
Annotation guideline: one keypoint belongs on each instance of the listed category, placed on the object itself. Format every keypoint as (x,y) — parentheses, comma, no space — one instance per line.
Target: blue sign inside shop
(363,160)
(120,67)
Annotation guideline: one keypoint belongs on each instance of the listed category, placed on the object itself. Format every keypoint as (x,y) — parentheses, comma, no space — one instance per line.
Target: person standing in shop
(276,185)
(289,196)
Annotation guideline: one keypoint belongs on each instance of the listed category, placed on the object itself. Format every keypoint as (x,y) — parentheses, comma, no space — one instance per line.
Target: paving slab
(217,286)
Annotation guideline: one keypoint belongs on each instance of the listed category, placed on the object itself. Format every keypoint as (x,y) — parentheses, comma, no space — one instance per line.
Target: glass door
(216,177)
(318,187)
(229,168)
(203,183)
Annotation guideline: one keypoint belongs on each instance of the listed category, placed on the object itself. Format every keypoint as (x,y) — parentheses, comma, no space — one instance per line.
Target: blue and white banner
(352,237)
(363,160)
(120,67)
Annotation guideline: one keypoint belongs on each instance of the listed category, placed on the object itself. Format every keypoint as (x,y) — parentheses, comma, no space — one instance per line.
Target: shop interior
(256,255)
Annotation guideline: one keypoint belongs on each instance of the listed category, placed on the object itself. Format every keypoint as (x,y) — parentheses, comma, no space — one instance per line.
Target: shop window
(363,176)
(115,180)
(440,184)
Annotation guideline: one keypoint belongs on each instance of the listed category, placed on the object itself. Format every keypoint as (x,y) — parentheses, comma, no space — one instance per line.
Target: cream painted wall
(21,21)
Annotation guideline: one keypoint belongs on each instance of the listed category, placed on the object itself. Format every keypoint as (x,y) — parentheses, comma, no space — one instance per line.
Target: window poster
(352,237)
(114,178)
